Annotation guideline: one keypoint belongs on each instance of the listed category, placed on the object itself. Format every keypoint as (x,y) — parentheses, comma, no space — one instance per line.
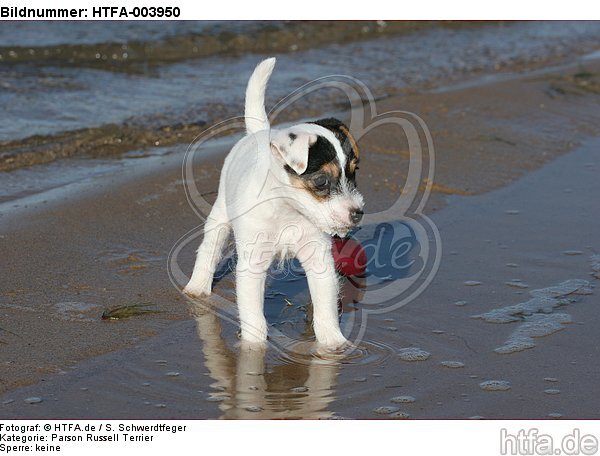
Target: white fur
(255,114)
(271,218)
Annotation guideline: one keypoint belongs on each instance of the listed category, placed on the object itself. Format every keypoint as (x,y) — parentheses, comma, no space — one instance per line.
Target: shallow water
(52,33)
(42,97)
(537,315)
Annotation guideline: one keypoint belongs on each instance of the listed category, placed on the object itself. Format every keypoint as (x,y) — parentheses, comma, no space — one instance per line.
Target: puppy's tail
(255,114)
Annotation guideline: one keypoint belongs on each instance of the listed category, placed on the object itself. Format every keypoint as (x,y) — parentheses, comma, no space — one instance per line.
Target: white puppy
(284,192)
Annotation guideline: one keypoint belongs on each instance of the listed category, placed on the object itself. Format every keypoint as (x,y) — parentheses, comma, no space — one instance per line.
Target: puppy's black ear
(292,148)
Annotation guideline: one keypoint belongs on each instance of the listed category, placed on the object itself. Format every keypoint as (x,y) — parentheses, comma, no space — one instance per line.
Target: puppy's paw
(254,335)
(331,342)
(198,288)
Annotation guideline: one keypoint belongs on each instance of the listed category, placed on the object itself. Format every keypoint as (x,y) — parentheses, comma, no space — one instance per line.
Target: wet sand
(103,242)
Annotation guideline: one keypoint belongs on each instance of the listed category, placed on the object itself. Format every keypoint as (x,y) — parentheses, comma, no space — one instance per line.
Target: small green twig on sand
(118,313)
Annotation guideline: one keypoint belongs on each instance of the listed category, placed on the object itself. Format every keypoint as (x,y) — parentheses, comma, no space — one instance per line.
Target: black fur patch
(292,136)
(319,154)
(323,166)
(336,127)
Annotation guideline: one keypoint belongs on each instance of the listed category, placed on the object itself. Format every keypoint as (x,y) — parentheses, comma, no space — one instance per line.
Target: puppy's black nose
(356,216)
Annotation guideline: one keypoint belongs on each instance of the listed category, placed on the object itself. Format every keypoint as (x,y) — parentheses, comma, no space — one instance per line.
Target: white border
(350,9)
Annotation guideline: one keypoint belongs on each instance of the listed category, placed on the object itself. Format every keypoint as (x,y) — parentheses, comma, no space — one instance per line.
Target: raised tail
(255,114)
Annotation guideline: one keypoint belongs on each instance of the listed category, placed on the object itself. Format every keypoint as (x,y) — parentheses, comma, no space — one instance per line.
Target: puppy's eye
(321,183)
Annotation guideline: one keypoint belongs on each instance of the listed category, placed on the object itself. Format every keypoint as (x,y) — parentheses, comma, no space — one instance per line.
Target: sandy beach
(515,202)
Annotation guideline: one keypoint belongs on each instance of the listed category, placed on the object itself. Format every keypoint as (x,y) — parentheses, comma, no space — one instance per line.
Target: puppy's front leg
(317,261)
(250,289)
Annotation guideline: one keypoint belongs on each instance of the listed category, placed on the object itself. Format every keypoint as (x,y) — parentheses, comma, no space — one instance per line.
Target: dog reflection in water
(255,384)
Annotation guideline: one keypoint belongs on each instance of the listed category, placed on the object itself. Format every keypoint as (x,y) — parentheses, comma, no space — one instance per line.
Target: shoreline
(104,243)
(146,158)
(220,39)
(178,111)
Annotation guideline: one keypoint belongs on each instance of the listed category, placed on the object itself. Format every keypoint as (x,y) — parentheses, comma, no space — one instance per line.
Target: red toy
(349,256)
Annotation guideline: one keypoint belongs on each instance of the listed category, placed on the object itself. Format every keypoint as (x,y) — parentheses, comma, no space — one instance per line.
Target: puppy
(284,193)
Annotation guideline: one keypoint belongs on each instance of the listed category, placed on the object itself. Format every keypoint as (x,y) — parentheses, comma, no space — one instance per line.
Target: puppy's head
(320,160)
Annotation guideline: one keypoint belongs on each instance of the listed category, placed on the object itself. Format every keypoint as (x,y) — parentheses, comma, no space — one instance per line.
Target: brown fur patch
(344,130)
(305,183)
(354,162)
(332,169)
(352,165)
